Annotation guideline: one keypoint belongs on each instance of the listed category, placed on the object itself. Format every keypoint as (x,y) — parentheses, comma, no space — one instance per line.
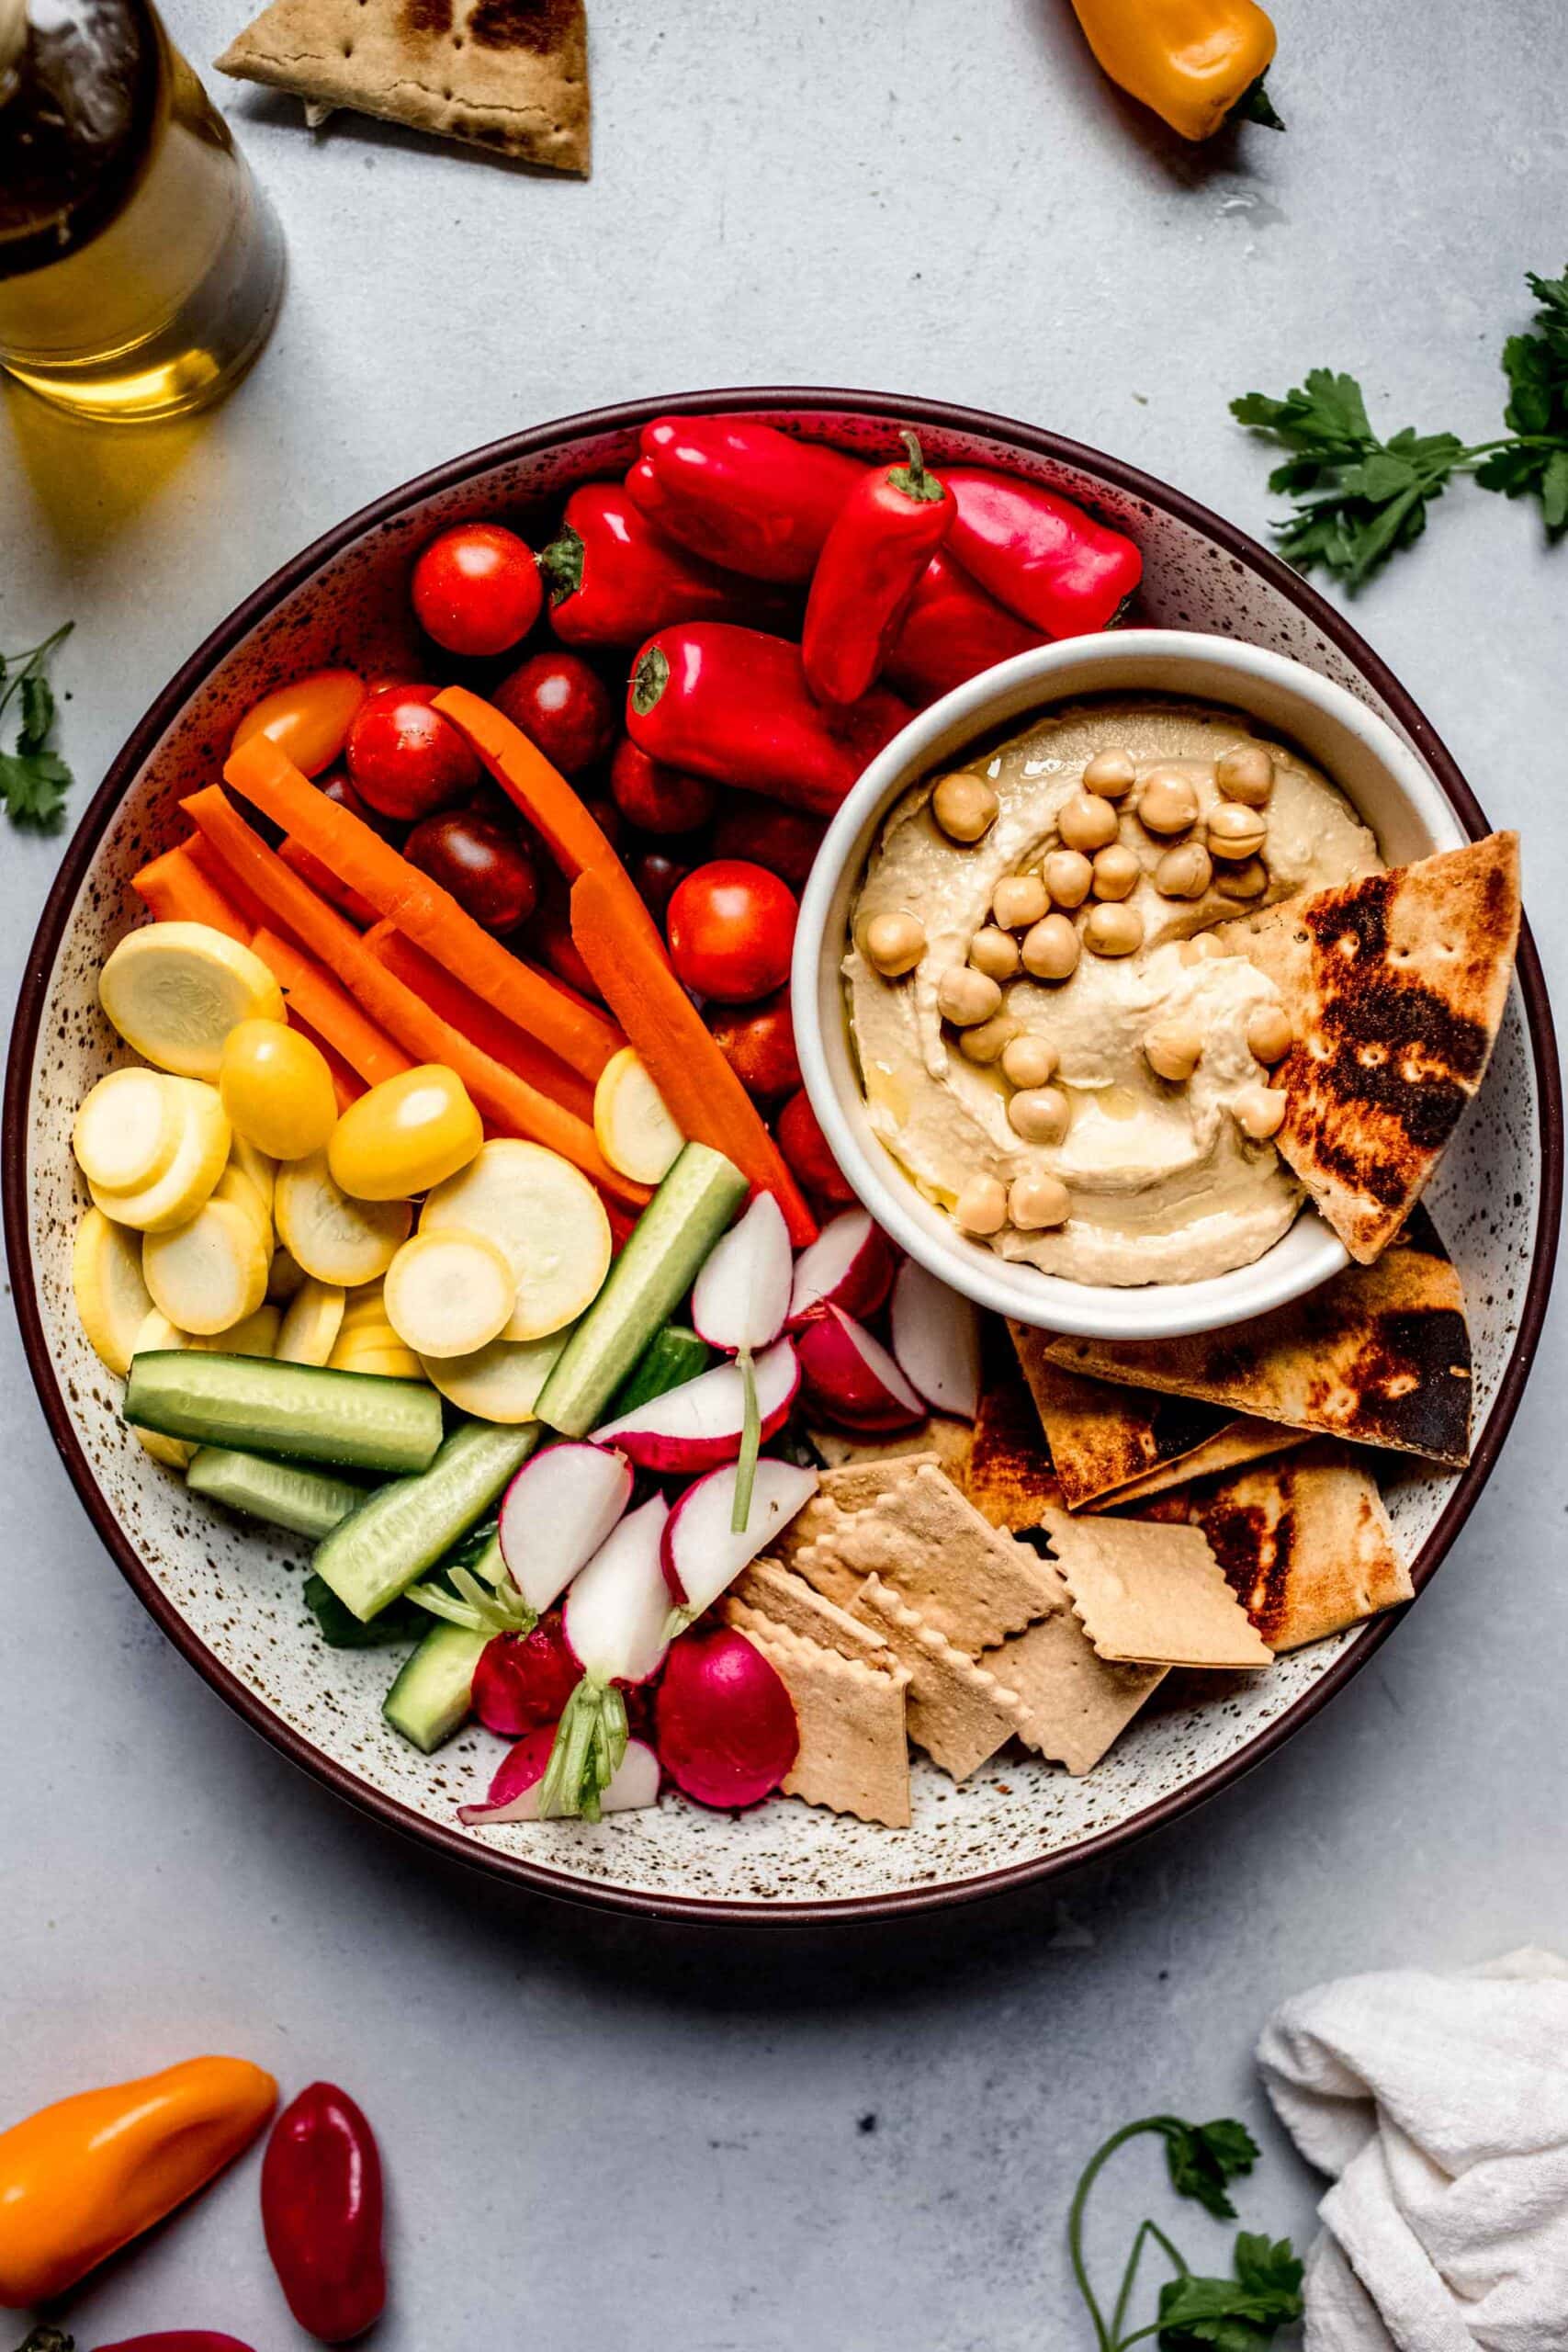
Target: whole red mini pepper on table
(742,494)
(733,703)
(321,2195)
(1044,558)
(612,578)
(180,2339)
(884,536)
(951,632)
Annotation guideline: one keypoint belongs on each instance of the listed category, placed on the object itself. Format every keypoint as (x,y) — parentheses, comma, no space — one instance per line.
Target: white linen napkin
(1441,2105)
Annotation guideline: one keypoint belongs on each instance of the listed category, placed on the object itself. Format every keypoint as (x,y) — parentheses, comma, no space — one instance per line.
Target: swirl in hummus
(1110,1123)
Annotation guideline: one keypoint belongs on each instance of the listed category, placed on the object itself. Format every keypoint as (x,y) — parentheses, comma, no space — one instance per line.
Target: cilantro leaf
(1238,2313)
(33,779)
(1358,498)
(1202,2157)
(1536,464)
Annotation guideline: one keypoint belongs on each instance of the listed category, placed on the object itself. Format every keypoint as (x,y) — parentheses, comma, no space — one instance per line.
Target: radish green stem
(750,1441)
(590,1742)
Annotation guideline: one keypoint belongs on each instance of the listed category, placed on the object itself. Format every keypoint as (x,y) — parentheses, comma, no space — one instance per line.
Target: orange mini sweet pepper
(1195,62)
(83,2178)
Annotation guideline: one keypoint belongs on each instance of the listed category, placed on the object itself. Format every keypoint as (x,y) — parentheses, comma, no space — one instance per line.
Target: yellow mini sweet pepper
(83,2178)
(1196,62)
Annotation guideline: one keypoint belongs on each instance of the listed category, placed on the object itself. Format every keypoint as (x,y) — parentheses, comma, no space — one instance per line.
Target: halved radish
(850,1378)
(699,1425)
(936,1341)
(311,1323)
(209,1273)
(112,1299)
(740,1302)
(128,1130)
(523,1681)
(334,1237)
(448,1292)
(635,1130)
(557,1512)
(546,1219)
(701,1549)
(726,1727)
(500,1383)
(850,1264)
(616,1622)
(515,1790)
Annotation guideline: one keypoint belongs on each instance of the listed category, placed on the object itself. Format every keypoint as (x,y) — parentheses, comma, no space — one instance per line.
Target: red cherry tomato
(607,817)
(477,589)
(758,1042)
(659,798)
(480,862)
(656,878)
(562,706)
(805,1146)
(731,927)
(549,939)
(783,840)
(337,787)
(404,757)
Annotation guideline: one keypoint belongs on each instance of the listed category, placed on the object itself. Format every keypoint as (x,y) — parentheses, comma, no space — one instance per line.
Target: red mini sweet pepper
(180,2339)
(733,703)
(952,631)
(1044,558)
(741,494)
(320,2195)
(612,578)
(884,536)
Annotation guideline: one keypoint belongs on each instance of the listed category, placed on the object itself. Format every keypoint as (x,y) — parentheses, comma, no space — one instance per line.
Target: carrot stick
(346,1085)
(324,882)
(177,890)
(420,907)
(508,1102)
(201,853)
(479,1021)
(368,1051)
(702,1095)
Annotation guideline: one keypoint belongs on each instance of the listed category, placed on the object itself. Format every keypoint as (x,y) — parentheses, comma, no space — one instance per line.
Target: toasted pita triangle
(1396,986)
(508,75)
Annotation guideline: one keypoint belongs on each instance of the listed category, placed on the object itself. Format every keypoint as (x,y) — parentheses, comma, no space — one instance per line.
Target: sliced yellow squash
(128,1130)
(364,1304)
(200,1161)
(283,1283)
(210,1272)
(500,1383)
(158,1332)
(547,1220)
(111,1297)
(236,1186)
(448,1292)
(635,1130)
(364,1338)
(254,1164)
(396,1362)
(256,1336)
(333,1238)
(311,1323)
(174,990)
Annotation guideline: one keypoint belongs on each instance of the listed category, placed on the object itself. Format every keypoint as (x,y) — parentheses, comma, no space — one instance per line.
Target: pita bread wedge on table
(507,74)
(1396,986)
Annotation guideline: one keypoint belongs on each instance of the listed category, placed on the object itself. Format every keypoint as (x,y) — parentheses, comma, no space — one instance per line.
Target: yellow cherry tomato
(404,1136)
(276,1089)
(309,718)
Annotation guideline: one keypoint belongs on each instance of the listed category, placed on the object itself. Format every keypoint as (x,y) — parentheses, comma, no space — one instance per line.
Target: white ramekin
(1374,767)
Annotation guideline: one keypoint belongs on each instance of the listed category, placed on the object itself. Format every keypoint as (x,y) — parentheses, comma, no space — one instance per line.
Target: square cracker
(1153,1594)
(1072,1703)
(771,1592)
(973,1582)
(958,1711)
(1304,1542)
(854,1752)
(807,1545)
(941,1435)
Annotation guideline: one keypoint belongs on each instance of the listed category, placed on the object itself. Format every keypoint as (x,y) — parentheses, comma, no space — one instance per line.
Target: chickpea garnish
(1051,949)
(1174,1049)
(894,944)
(1113,930)
(1086,821)
(1259,1112)
(988,1040)
(1116,871)
(1040,1113)
(966,997)
(995,952)
(1248,880)
(1037,1201)
(1203,948)
(1269,1034)
(1067,877)
(1110,773)
(1184,872)
(964,806)
(982,1206)
(1169,802)
(1246,772)
(1236,830)
(1029,1061)
(1020,900)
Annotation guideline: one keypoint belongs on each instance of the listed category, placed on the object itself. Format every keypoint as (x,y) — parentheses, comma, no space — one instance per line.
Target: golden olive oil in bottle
(141,266)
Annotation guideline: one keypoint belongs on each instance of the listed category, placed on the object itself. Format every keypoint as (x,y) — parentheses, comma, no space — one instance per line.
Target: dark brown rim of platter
(255,608)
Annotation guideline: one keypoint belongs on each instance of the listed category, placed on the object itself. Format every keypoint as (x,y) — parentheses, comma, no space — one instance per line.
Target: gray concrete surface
(592,2130)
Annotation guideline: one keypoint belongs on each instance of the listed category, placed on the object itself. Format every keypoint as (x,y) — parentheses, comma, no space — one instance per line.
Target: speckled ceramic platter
(229,1596)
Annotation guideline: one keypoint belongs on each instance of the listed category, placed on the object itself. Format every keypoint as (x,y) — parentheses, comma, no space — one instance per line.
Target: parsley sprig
(1241,2313)
(33,779)
(1358,498)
